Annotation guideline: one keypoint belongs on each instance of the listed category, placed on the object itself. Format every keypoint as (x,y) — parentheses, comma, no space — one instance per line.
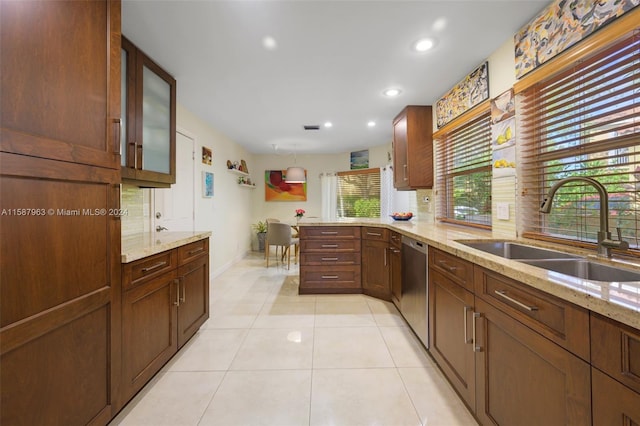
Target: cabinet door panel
(61,377)
(149,322)
(375,269)
(450,316)
(73,119)
(613,403)
(524,377)
(62,250)
(193,310)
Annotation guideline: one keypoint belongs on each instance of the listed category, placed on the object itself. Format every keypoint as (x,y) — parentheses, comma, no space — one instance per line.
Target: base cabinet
(524,378)
(613,403)
(395,263)
(375,263)
(164,303)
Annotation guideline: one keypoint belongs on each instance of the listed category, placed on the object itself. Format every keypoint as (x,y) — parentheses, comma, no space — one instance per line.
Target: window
(359,193)
(583,121)
(464,173)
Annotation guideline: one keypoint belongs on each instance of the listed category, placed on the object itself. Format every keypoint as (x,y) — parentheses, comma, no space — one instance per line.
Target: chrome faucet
(605,242)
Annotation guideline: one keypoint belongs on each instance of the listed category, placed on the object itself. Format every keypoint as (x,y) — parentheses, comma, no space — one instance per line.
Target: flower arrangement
(300,213)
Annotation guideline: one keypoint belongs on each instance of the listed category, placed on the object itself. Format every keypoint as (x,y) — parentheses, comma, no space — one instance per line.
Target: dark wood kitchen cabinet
(413,148)
(148,120)
(330,259)
(615,359)
(165,301)
(59,180)
(376,270)
(395,262)
(451,308)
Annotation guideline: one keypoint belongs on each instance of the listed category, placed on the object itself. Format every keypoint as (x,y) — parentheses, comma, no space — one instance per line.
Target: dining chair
(266,240)
(279,235)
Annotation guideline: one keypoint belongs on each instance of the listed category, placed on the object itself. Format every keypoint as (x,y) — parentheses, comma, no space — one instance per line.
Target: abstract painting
(560,25)
(464,95)
(276,189)
(207,184)
(360,159)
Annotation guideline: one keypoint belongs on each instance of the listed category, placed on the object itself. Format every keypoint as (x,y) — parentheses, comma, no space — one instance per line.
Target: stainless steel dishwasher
(413,302)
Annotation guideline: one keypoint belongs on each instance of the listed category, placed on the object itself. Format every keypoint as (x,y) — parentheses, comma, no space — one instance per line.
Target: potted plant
(261,231)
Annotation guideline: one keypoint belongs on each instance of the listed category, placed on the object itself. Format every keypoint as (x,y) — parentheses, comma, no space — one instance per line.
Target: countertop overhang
(619,301)
(138,246)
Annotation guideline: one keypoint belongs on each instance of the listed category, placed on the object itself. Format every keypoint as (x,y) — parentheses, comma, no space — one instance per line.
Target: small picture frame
(207,156)
(207,184)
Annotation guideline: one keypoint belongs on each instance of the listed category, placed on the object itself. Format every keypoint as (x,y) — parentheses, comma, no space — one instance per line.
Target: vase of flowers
(299,214)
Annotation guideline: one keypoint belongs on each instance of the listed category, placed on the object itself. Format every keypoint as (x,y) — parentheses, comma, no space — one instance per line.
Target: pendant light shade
(295,175)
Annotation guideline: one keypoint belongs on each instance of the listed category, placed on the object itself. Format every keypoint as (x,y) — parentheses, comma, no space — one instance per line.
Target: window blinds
(359,193)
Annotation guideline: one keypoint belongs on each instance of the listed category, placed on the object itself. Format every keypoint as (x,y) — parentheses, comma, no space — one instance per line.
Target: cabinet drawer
(458,270)
(395,238)
(326,246)
(616,350)
(320,279)
(330,232)
(558,320)
(378,234)
(317,259)
(141,270)
(613,403)
(192,251)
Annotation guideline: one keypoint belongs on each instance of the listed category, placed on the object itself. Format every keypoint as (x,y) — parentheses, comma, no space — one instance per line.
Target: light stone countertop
(619,301)
(138,246)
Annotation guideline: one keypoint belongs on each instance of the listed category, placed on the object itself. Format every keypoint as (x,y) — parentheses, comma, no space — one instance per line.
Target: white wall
(228,213)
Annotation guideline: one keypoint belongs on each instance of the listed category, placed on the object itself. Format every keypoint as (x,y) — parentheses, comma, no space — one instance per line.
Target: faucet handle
(619,232)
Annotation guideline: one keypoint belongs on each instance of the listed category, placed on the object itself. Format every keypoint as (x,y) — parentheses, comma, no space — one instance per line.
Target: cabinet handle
(132,154)
(329,246)
(503,294)
(329,277)
(374,234)
(385,256)
(476,348)
(404,167)
(465,309)
(325,259)
(183,297)
(177,302)
(139,160)
(329,232)
(198,250)
(446,267)
(151,268)
(118,126)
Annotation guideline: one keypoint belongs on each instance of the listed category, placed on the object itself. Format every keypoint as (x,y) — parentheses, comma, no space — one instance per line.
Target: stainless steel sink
(517,251)
(585,269)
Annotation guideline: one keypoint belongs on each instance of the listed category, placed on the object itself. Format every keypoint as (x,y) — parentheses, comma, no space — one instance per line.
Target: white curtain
(329,185)
(392,200)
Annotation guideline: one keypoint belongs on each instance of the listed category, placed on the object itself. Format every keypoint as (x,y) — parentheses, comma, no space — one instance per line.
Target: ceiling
(332,61)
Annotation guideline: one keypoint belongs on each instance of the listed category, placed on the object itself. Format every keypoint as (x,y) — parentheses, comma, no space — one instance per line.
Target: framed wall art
(276,189)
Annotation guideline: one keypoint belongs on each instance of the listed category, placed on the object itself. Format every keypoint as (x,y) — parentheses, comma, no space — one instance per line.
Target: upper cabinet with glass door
(148,121)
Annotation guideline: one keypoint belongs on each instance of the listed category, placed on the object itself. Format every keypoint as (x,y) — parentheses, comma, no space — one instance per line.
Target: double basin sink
(564,263)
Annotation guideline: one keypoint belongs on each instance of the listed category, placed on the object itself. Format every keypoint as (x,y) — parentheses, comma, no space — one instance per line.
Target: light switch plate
(503,211)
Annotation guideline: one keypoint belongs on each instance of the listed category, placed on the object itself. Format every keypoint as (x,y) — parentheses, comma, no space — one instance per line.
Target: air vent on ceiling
(312,127)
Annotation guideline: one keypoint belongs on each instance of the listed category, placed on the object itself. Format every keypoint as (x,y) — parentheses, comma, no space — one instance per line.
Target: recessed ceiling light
(328,124)
(423,45)
(392,92)
(371,124)
(269,43)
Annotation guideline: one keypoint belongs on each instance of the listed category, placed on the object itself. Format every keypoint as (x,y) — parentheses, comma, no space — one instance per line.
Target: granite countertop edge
(591,295)
(141,245)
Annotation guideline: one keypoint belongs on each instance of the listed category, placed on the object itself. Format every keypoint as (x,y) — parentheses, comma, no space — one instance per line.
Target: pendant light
(295,174)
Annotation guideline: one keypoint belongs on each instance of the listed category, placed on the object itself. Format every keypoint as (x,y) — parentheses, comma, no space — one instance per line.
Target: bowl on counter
(402,216)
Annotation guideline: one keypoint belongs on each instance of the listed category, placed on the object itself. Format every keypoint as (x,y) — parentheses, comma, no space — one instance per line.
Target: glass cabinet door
(156,122)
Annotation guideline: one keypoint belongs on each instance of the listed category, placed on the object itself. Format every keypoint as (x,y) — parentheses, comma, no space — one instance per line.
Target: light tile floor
(268,356)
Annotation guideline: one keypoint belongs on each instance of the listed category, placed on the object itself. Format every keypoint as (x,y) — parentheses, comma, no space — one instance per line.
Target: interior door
(174,208)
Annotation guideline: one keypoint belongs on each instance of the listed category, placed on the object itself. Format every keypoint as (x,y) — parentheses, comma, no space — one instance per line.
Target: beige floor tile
(360,397)
(233,315)
(286,315)
(172,399)
(350,347)
(434,399)
(275,349)
(208,350)
(268,398)
(338,313)
(404,347)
